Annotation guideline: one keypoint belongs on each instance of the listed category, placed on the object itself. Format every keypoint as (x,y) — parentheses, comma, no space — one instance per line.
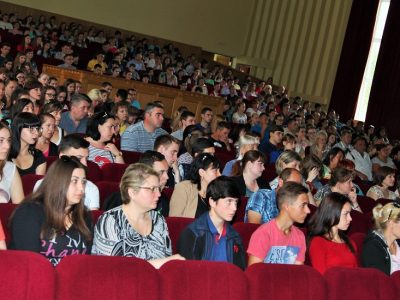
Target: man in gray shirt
(75,120)
(140,137)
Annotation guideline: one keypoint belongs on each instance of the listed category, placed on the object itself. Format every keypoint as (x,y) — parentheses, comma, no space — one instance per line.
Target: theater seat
(175,227)
(131,157)
(94,172)
(358,239)
(223,157)
(96,215)
(105,277)
(396,280)
(274,281)
(186,280)
(245,231)
(29,181)
(383,201)
(6,210)
(366,203)
(113,172)
(26,275)
(241,209)
(106,188)
(358,283)
(359,223)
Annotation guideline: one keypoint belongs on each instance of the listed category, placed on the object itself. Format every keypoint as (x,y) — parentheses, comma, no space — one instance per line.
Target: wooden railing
(172,98)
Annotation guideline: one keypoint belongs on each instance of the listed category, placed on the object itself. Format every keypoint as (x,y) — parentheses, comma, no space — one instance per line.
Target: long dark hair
(249,156)
(97,119)
(201,161)
(52,193)
(328,215)
(21,120)
(3,162)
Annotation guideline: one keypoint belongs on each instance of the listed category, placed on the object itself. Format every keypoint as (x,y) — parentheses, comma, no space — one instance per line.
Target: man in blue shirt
(211,236)
(75,120)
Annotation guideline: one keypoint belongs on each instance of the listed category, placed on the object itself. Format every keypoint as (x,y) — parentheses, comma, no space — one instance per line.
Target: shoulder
(29,210)
(186,184)
(135,127)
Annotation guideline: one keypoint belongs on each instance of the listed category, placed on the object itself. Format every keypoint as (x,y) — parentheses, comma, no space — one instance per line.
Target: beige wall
(305,54)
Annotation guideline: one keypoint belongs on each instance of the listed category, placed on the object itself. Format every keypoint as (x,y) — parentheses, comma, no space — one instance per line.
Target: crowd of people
(316,161)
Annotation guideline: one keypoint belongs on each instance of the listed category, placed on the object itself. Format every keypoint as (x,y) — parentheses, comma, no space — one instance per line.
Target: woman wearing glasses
(53,221)
(381,249)
(48,94)
(25,130)
(135,228)
(100,130)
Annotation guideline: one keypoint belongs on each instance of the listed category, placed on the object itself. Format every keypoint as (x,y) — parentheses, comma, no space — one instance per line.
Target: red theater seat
(175,227)
(347,283)
(366,203)
(6,210)
(26,275)
(94,172)
(104,277)
(223,157)
(113,172)
(241,210)
(359,223)
(270,281)
(358,238)
(184,280)
(29,181)
(245,231)
(106,188)
(396,280)
(131,157)
(96,215)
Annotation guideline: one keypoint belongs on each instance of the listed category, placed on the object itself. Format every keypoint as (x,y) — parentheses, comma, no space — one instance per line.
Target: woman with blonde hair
(320,148)
(287,159)
(97,101)
(381,249)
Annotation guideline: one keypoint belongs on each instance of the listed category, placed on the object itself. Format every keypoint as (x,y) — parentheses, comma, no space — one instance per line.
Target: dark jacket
(239,180)
(195,242)
(375,253)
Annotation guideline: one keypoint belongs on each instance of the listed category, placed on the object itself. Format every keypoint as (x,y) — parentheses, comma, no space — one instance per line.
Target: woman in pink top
(329,245)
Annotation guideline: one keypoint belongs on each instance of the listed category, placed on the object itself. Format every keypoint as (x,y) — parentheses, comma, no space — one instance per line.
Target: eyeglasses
(153,189)
(32,129)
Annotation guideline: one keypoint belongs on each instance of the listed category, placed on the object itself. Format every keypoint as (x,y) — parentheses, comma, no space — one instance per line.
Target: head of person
(292,200)
(100,127)
(44,79)
(333,215)
(342,180)
(333,157)
(25,129)
(204,169)
(154,115)
(140,186)
(246,143)
(5,145)
(237,131)
(207,115)
(289,141)
(346,135)
(22,105)
(387,219)
(168,146)
(80,104)
(222,131)
(62,190)
(276,134)
(120,111)
(309,163)
(95,96)
(48,94)
(289,175)
(202,145)
(190,134)
(385,177)
(55,109)
(48,123)
(252,163)
(383,150)
(287,159)
(222,197)
(321,138)
(158,162)
(187,118)
(69,84)
(74,145)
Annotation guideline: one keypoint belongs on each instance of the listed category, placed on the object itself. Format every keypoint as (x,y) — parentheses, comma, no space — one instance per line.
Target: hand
(312,174)
(112,148)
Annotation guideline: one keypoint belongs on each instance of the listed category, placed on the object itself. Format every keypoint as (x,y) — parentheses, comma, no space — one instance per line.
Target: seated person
(186,119)
(382,158)
(311,167)
(189,196)
(272,146)
(76,145)
(384,178)
(75,120)
(135,228)
(261,207)
(287,159)
(211,236)
(206,120)
(44,143)
(53,220)
(331,161)
(220,137)
(361,159)
(381,249)
(247,173)
(100,130)
(168,146)
(329,246)
(25,129)
(279,241)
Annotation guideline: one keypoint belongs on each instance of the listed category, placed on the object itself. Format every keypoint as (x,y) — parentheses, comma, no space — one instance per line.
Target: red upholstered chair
(359,283)
(366,203)
(269,173)
(245,231)
(107,277)
(360,223)
(29,181)
(96,215)
(185,280)
(26,275)
(94,172)
(131,157)
(274,281)
(168,193)
(106,188)
(223,157)
(396,280)
(6,210)
(383,201)
(50,160)
(241,210)
(175,227)
(364,186)
(113,172)
(358,239)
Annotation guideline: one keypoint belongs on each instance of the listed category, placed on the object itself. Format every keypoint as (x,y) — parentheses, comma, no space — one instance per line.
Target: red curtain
(353,58)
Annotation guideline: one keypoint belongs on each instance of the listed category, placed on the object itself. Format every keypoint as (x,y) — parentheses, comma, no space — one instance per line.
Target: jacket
(196,240)
(184,200)
(239,180)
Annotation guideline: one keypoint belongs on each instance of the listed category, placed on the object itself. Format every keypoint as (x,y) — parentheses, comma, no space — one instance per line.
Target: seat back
(245,231)
(358,239)
(175,227)
(6,210)
(26,275)
(131,157)
(359,223)
(366,203)
(274,281)
(29,181)
(94,172)
(185,280)
(107,277)
(106,188)
(113,172)
(358,283)
(396,280)
(241,209)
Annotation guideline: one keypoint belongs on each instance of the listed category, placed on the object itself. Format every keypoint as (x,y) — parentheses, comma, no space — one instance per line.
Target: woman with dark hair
(341,182)
(54,108)
(247,173)
(329,246)
(384,179)
(69,85)
(53,221)
(100,130)
(188,198)
(48,94)
(22,105)
(382,158)
(44,143)
(310,168)
(10,181)
(238,131)
(25,129)
(331,160)
(62,96)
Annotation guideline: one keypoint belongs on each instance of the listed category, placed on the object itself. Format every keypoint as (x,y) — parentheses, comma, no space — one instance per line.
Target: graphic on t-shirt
(282,255)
